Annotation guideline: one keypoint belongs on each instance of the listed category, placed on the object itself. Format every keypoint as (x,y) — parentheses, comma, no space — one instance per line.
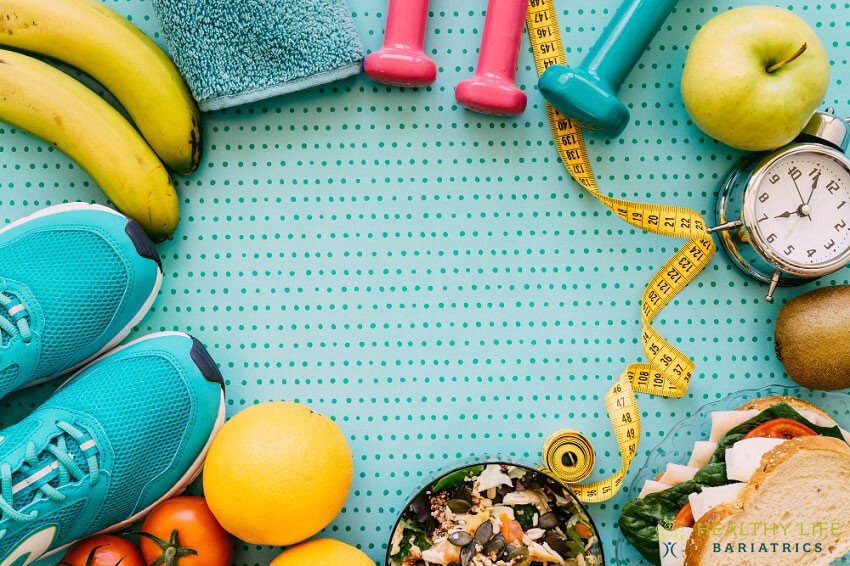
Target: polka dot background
(429,277)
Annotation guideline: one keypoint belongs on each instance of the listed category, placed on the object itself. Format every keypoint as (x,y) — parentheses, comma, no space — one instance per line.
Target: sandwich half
(795,509)
(765,488)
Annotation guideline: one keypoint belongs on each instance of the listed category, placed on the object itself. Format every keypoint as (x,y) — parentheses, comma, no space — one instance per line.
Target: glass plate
(677,445)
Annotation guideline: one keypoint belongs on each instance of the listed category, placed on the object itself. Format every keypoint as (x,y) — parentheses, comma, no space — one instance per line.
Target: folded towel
(233,52)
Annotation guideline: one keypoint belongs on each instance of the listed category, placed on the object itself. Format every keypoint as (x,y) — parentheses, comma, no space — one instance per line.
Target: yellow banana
(46,102)
(95,39)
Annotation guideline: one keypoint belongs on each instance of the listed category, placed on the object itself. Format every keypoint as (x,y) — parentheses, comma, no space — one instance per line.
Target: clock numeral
(842,203)
(811,253)
(815,173)
(829,245)
(763,217)
(764,197)
(789,250)
(840,226)
(772,238)
(774,179)
(795,173)
(833,187)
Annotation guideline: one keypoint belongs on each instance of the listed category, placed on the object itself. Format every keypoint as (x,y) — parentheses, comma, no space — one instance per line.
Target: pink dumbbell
(402,60)
(492,90)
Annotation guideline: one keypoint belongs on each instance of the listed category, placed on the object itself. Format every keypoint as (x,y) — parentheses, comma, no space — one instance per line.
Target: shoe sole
(146,307)
(191,474)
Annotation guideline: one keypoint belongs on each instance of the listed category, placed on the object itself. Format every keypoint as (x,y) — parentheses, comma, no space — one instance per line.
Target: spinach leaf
(413,534)
(456,478)
(780,411)
(525,515)
(640,517)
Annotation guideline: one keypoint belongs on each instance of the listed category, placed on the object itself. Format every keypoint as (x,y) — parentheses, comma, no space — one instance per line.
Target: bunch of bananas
(46,102)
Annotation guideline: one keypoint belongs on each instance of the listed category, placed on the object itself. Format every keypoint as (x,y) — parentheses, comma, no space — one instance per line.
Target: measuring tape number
(668,371)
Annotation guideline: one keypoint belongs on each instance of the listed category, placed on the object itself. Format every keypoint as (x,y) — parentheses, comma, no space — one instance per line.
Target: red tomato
(685,518)
(781,428)
(103,550)
(184,532)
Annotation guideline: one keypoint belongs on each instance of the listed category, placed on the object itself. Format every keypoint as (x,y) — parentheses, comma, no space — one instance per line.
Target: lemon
(277,473)
(322,552)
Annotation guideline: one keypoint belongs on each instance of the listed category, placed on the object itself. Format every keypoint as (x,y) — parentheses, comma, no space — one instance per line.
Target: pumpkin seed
(464,493)
(495,545)
(467,554)
(519,553)
(484,532)
(460,538)
(506,551)
(548,520)
(459,506)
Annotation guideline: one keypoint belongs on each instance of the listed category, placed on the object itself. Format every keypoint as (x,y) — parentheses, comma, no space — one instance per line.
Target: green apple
(754,76)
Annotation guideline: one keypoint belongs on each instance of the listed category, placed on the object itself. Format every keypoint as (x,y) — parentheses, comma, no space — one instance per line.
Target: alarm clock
(784,217)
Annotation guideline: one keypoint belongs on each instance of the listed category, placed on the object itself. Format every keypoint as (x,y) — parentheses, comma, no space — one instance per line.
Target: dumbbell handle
(502,35)
(406,23)
(625,39)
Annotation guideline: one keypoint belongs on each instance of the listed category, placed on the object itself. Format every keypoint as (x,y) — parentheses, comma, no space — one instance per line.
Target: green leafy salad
(494,515)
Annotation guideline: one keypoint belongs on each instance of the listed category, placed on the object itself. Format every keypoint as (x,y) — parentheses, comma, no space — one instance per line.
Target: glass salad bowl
(677,444)
(502,510)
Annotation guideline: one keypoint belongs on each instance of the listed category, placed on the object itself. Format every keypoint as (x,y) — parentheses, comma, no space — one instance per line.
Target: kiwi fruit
(812,338)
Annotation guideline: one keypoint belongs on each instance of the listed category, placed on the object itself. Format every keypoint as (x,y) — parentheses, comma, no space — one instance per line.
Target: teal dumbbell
(589,93)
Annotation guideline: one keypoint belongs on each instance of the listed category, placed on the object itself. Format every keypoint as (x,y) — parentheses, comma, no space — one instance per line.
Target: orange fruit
(323,552)
(277,474)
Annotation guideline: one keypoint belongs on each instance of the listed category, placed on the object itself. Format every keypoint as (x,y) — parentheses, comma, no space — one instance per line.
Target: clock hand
(814,186)
(802,200)
(805,209)
(788,213)
(802,210)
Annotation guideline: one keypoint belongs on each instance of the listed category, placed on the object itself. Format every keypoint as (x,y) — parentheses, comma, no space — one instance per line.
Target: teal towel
(234,52)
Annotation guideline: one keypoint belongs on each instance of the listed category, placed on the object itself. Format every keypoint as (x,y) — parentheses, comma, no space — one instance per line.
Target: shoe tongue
(28,479)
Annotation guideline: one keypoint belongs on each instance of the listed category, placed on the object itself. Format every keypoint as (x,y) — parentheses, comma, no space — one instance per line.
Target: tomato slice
(781,428)
(685,518)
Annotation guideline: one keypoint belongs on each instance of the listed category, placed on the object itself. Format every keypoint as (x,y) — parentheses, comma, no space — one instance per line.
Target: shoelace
(15,319)
(37,471)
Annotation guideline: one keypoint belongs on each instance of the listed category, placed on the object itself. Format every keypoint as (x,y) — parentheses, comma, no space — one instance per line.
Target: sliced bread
(795,510)
(798,404)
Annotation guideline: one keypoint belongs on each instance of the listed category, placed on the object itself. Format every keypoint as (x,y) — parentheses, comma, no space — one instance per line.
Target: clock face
(802,209)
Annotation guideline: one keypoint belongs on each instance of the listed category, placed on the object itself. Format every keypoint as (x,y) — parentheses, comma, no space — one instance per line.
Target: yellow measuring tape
(668,371)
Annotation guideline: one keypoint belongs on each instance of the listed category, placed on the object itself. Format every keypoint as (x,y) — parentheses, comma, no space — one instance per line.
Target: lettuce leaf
(640,517)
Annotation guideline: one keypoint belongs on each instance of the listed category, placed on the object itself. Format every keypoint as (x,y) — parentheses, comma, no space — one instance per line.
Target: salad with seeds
(494,515)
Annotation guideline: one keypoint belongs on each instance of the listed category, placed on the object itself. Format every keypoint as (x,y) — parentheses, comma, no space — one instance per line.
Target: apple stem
(777,66)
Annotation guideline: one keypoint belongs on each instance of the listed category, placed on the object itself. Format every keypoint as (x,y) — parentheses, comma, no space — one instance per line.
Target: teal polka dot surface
(430,277)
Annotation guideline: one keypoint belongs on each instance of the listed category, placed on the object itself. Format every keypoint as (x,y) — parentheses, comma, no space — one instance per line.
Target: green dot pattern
(430,277)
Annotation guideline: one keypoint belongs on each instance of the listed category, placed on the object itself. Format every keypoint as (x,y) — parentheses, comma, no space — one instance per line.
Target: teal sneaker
(74,281)
(124,434)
